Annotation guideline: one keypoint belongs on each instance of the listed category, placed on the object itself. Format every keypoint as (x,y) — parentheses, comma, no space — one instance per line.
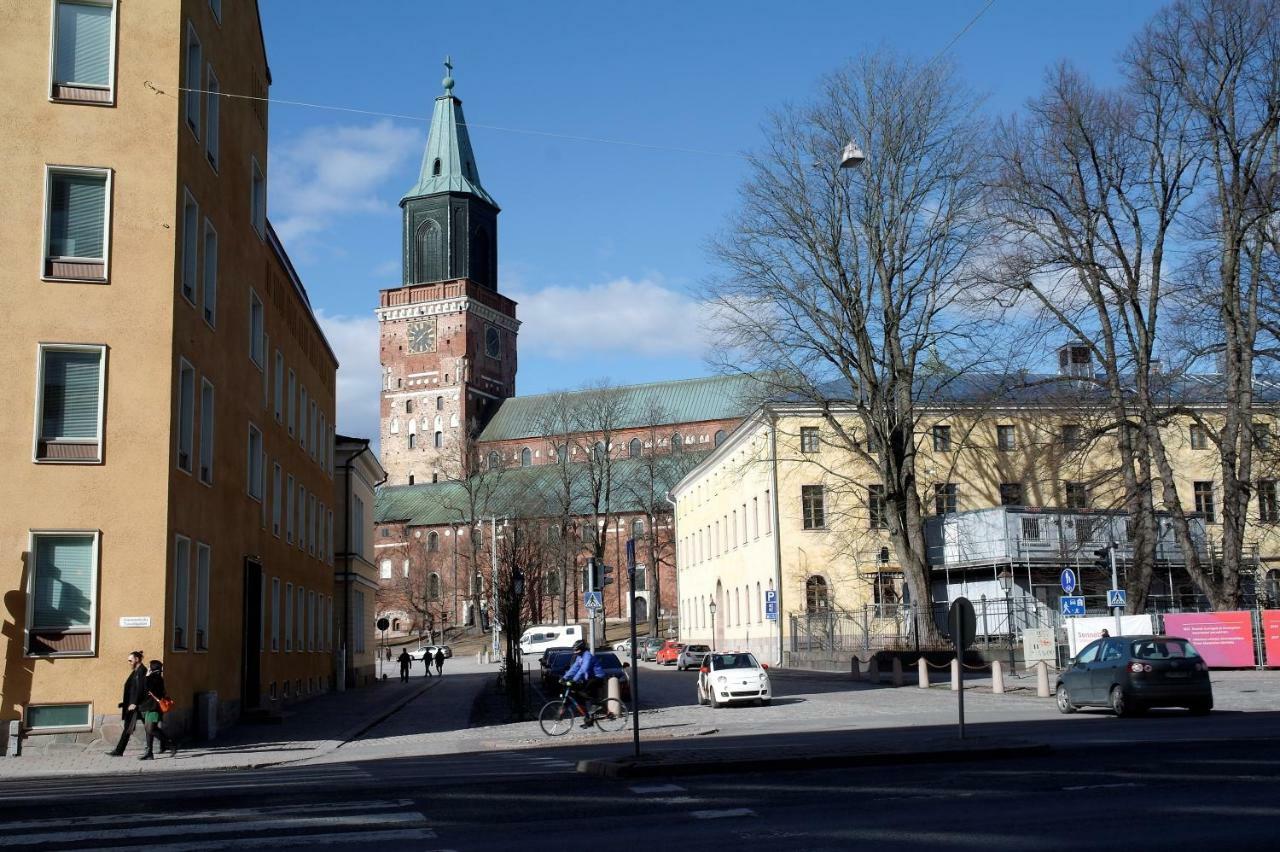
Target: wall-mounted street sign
(771,605)
(1072,606)
(1068,578)
(135,621)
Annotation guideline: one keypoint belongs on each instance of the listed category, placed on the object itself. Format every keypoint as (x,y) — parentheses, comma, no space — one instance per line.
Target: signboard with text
(771,605)
(1224,639)
(1082,631)
(1271,636)
(1038,643)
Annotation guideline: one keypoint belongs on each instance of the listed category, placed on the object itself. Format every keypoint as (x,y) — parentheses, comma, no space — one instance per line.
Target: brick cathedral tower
(448,338)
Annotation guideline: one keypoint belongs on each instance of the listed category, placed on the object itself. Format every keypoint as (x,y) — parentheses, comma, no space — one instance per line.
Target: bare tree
(476,481)
(598,414)
(851,279)
(559,423)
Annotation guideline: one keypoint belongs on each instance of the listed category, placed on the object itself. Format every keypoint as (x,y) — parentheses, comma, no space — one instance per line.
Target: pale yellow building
(1023,486)
(359,473)
(167,437)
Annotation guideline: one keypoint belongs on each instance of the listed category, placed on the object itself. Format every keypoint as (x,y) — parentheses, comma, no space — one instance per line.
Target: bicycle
(557,715)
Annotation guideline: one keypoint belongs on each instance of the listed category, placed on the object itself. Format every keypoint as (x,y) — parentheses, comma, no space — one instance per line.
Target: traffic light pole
(591,611)
(1117,610)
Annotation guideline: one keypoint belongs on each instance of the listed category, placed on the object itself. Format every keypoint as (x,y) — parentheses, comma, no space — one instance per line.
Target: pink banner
(1224,639)
(1271,636)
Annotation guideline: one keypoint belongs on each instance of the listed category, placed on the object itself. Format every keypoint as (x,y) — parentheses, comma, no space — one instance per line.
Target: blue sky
(603,245)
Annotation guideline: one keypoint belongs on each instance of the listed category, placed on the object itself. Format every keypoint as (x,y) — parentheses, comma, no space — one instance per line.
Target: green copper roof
(685,401)
(534,492)
(448,164)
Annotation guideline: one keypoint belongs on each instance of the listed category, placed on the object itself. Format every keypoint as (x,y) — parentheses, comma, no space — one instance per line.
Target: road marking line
(1100,786)
(272,823)
(725,814)
(229,813)
(652,789)
(343,838)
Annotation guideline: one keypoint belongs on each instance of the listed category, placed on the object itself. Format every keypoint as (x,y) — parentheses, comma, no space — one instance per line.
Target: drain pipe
(675,548)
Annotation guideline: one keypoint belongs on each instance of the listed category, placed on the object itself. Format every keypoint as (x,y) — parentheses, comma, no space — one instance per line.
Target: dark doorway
(642,611)
(251,657)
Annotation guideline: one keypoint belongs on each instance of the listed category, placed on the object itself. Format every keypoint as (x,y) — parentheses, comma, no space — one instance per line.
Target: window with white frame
(302,416)
(62,593)
(329,541)
(193,66)
(384,569)
(255,330)
(277,498)
(206,431)
(293,408)
(258,199)
(302,517)
(215,6)
(311,524)
(210,296)
(311,626)
(181,592)
(70,403)
(202,596)
(186,414)
(288,515)
(288,616)
(275,613)
(77,223)
(83,59)
(255,462)
(300,625)
(279,400)
(190,245)
(213,97)
(314,422)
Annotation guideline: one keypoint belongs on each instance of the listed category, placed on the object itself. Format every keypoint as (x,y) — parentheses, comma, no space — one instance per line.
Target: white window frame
(275,614)
(183,366)
(50,169)
(111,55)
(279,395)
(302,516)
(303,424)
(257,339)
(193,94)
(329,543)
(206,441)
(56,729)
(38,426)
(313,425)
(300,621)
(96,570)
(277,498)
(215,7)
(288,618)
(209,294)
(311,621)
(251,458)
(212,117)
(178,539)
(289,504)
(257,198)
(292,402)
(204,570)
(190,293)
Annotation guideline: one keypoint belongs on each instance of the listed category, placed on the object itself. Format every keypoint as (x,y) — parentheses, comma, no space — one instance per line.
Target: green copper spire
(448,165)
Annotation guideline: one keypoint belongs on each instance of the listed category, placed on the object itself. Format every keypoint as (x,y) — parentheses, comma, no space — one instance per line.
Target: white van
(535,640)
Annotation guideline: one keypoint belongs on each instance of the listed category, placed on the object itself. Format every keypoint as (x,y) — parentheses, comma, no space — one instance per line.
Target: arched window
(720,434)
(406,568)
(526,457)
(413,440)
(433,586)
(598,451)
(433,541)
(411,479)
(408,406)
(395,626)
(634,448)
(439,403)
(677,443)
(737,607)
(553,582)
(435,168)
(637,529)
(430,245)
(494,460)
(481,263)
(384,569)
(759,604)
(815,594)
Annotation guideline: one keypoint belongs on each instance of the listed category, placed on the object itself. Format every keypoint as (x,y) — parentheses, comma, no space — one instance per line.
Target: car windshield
(1163,649)
(733,661)
(698,649)
(609,661)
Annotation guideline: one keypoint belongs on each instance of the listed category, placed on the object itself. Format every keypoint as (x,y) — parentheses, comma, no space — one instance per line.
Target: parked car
(419,653)
(732,678)
(623,647)
(613,667)
(555,662)
(538,640)
(1131,673)
(691,656)
(669,653)
(649,648)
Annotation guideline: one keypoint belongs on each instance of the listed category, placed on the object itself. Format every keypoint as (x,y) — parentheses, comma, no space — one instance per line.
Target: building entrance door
(251,657)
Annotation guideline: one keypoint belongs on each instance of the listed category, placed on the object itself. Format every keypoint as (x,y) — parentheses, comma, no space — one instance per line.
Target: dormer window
(435,168)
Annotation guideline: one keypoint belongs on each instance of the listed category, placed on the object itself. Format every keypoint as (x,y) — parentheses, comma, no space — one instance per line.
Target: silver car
(691,656)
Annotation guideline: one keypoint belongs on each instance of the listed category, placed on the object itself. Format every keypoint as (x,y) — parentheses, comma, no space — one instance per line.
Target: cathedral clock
(422,336)
(492,342)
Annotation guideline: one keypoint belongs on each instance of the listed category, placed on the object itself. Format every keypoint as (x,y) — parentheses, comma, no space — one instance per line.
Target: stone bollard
(897,672)
(615,696)
(922,673)
(955,674)
(15,738)
(997,677)
(873,670)
(1042,680)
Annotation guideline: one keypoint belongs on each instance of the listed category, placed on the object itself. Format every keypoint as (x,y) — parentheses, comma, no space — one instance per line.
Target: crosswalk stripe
(310,840)
(654,789)
(137,819)
(731,812)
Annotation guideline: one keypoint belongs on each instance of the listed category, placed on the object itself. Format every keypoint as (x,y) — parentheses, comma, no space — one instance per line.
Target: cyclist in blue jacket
(585,675)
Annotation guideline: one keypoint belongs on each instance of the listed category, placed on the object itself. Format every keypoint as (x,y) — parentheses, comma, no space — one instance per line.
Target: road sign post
(635,670)
(963,623)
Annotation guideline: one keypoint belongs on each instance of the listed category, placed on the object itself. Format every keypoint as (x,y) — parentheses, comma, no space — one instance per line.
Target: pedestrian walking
(426,661)
(405,660)
(135,687)
(152,712)
(440,661)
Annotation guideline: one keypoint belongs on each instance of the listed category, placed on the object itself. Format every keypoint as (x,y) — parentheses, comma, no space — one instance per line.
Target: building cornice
(456,304)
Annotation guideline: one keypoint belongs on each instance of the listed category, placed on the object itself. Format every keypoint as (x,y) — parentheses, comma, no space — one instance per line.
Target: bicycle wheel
(612,715)
(556,718)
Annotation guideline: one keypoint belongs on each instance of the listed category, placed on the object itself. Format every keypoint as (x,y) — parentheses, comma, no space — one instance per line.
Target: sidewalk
(308,730)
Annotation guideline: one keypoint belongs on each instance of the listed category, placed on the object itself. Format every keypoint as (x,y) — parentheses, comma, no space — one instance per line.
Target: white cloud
(355,341)
(328,172)
(642,317)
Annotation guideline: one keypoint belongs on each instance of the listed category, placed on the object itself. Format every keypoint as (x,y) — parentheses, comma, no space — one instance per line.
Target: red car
(669,653)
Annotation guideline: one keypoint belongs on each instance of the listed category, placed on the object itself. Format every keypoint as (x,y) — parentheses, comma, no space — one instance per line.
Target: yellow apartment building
(1015,490)
(168,435)
(359,473)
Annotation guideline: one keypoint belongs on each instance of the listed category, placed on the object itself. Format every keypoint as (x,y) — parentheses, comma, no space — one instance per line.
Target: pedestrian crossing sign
(594,600)
(1115,597)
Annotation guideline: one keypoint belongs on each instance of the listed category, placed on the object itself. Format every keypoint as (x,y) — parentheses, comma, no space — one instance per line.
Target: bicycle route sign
(594,600)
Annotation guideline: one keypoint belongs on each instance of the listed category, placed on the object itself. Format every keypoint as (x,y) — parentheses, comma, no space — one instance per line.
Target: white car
(691,656)
(731,678)
(418,653)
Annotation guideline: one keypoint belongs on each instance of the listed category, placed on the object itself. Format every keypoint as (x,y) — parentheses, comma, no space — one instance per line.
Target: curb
(360,729)
(657,767)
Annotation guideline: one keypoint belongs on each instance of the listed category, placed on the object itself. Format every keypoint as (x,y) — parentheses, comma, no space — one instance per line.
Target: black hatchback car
(1131,673)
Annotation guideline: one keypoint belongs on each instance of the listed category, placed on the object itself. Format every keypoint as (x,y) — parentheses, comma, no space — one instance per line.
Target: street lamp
(712,608)
(1006,583)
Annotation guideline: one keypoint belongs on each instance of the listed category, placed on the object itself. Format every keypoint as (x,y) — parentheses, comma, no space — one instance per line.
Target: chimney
(1075,359)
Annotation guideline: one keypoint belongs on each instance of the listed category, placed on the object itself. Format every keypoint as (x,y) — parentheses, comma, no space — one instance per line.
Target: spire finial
(447,82)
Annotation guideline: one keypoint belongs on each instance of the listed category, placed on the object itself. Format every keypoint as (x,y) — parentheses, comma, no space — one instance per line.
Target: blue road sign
(1115,597)
(594,600)
(1072,606)
(771,605)
(1068,578)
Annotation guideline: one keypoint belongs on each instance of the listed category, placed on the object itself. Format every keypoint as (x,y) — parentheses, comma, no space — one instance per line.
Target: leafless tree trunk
(840,283)
(598,414)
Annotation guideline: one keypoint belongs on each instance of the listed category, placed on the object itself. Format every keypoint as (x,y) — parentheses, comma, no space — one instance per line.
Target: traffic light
(605,575)
(1104,558)
(593,578)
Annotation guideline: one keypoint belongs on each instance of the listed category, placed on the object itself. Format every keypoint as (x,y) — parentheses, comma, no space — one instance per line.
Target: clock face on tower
(422,336)
(492,342)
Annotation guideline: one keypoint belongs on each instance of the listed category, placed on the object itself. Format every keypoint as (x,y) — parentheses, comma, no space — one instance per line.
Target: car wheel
(765,702)
(1064,700)
(713,701)
(1120,703)
(1201,708)
(702,699)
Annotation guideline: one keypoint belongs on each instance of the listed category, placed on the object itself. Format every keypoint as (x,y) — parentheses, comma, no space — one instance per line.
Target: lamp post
(1006,583)
(712,608)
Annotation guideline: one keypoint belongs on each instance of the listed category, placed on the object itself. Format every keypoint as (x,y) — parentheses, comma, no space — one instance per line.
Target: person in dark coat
(151,715)
(440,661)
(426,661)
(405,660)
(135,688)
